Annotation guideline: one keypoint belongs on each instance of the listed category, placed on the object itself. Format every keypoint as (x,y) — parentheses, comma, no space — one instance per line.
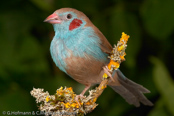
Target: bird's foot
(107,71)
(77,98)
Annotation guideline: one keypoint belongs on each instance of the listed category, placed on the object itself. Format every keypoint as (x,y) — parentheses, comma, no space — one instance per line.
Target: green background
(25,61)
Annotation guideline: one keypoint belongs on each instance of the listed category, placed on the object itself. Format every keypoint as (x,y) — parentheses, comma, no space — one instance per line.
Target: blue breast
(80,44)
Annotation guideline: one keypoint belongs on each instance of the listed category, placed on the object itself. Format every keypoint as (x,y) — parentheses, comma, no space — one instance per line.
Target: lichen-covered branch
(63,103)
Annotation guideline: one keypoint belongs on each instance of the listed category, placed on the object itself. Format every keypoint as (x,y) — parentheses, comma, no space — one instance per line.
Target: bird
(79,49)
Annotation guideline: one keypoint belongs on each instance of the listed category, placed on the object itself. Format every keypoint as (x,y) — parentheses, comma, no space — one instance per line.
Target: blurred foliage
(162,80)
(25,60)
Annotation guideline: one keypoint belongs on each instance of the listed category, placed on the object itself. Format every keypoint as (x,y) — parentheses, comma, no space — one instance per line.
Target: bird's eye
(69,16)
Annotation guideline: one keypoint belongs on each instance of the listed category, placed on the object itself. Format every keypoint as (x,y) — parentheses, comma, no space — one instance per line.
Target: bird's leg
(81,95)
(107,71)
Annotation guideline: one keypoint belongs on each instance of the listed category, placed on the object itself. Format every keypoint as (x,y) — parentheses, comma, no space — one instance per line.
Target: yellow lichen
(105,75)
(120,48)
(122,57)
(103,87)
(59,92)
(70,89)
(88,103)
(124,37)
(61,88)
(112,63)
(95,99)
(47,98)
(67,105)
(75,105)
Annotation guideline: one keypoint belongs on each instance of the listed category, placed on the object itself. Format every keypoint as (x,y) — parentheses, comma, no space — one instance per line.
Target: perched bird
(80,50)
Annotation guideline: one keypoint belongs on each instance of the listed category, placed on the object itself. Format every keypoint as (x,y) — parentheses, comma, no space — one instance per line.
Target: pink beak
(53,19)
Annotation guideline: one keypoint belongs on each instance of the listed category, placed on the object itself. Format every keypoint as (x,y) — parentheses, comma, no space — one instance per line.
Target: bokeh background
(25,61)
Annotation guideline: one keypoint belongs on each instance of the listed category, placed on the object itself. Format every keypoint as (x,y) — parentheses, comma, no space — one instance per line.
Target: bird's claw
(107,71)
(77,98)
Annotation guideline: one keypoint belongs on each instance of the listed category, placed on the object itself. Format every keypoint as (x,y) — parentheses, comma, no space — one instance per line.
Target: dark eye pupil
(69,16)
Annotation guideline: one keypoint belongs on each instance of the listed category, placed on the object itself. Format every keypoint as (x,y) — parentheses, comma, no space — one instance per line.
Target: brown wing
(105,45)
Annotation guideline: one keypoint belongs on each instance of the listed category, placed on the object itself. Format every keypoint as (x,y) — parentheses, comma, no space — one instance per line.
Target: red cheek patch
(74,24)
